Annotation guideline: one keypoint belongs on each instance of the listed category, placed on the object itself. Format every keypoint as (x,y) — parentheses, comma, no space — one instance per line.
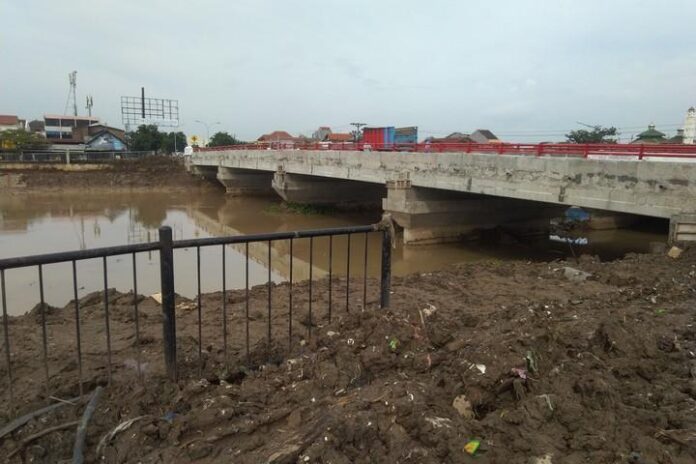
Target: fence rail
(69,156)
(166,247)
(639,151)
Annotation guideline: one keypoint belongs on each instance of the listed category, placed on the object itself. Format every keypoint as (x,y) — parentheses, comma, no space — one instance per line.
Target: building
(338,137)
(484,136)
(690,126)
(322,133)
(677,139)
(10,122)
(277,136)
(651,135)
(104,139)
(66,128)
(454,137)
(84,133)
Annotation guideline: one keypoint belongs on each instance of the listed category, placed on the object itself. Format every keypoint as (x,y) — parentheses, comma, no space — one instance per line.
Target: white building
(67,129)
(690,126)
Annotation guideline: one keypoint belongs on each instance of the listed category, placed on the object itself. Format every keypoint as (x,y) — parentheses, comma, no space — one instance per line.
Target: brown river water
(34,224)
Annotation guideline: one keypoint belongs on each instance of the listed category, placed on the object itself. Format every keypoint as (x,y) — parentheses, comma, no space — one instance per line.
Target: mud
(539,364)
(155,172)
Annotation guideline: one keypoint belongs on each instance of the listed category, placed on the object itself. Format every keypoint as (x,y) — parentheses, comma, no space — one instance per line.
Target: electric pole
(72,92)
(356,132)
(90,104)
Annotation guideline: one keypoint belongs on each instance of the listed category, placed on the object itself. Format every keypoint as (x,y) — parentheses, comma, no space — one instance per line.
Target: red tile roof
(8,120)
(276,136)
(338,137)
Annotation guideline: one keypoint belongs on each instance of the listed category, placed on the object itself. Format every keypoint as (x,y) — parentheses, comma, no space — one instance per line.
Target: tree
(598,134)
(168,146)
(146,138)
(19,139)
(220,139)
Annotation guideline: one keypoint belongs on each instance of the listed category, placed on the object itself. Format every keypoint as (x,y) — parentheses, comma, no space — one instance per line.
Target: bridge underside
(298,188)
(436,216)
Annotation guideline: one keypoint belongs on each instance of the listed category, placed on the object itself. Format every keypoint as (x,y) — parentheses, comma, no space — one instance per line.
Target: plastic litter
(531,361)
(675,252)
(393,344)
(472,446)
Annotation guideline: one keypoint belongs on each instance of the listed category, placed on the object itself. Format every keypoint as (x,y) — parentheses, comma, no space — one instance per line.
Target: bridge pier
(437,216)
(682,229)
(240,182)
(315,190)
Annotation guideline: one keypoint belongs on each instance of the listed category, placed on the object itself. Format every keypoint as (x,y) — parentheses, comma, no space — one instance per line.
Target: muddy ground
(536,363)
(154,172)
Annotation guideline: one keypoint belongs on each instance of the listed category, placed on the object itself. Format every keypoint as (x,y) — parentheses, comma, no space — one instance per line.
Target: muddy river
(33,224)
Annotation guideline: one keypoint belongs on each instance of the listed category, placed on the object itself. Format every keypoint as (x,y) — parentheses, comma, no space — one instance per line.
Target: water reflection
(31,224)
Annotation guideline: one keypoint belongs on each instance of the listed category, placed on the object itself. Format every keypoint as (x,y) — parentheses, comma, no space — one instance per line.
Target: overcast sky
(527,70)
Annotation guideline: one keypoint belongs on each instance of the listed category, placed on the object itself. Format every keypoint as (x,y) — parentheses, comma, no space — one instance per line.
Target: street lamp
(207,129)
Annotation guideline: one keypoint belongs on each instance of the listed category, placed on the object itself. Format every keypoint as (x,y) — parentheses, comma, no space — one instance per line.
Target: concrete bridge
(440,196)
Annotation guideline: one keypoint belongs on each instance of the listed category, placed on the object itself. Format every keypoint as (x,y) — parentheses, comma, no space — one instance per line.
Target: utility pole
(356,132)
(90,103)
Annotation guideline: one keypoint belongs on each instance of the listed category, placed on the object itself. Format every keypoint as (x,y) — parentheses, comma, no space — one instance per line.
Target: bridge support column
(437,216)
(315,190)
(245,181)
(682,229)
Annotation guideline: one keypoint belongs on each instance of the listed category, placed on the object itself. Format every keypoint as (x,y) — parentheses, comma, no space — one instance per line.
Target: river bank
(160,173)
(539,363)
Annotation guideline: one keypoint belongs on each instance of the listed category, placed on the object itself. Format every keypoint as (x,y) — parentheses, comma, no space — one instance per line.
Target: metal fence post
(168,316)
(385,284)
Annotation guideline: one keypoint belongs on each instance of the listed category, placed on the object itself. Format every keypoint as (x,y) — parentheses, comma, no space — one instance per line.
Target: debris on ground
(532,366)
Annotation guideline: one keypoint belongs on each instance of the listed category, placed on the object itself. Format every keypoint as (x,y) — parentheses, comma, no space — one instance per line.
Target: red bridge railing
(639,151)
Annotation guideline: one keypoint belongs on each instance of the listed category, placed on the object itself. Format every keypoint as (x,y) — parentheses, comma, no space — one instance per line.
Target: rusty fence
(166,246)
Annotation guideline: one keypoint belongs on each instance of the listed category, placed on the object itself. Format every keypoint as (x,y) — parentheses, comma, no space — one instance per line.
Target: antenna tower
(72,93)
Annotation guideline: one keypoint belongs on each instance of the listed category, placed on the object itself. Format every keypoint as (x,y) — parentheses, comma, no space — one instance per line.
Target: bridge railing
(638,151)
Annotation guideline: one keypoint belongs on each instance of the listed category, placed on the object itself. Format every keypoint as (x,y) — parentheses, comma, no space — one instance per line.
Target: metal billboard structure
(137,111)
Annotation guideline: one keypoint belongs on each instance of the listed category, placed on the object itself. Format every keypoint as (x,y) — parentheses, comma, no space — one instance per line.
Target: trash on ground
(675,252)
(575,275)
(463,407)
(472,446)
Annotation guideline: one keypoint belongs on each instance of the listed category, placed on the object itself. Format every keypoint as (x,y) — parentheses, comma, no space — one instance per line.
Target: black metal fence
(70,156)
(166,247)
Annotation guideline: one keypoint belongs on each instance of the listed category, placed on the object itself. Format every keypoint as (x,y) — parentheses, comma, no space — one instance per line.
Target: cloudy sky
(528,70)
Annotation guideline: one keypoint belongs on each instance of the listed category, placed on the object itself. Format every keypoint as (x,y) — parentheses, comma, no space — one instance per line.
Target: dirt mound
(535,366)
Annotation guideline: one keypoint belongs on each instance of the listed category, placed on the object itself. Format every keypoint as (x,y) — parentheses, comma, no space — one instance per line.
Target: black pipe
(168,315)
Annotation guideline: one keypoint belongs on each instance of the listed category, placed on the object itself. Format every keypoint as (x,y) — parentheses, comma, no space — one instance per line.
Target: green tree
(19,139)
(220,139)
(598,134)
(146,138)
(168,146)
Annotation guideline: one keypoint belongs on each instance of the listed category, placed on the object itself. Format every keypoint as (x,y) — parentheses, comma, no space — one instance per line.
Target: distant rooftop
(70,116)
(8,120)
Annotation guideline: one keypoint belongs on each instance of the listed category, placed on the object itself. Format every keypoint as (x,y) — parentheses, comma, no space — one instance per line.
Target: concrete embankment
(160,173)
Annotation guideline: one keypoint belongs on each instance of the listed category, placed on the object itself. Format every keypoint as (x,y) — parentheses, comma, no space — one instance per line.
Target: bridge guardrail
(638,151)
